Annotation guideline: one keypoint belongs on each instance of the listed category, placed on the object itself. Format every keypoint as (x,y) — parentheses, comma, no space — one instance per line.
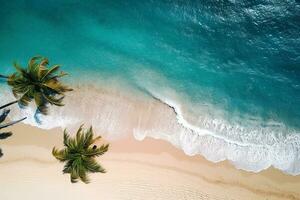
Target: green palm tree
(79,154)
(4,135)
(39,83)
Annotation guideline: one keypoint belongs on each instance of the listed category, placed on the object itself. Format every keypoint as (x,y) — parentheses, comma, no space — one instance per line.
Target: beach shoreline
(148,169)
(199,100)
(120,111)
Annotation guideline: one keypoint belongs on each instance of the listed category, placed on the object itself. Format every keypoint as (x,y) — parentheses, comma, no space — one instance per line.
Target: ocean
(229,70)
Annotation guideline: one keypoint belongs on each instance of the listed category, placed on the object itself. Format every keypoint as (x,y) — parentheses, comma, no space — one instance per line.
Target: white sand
(151,169)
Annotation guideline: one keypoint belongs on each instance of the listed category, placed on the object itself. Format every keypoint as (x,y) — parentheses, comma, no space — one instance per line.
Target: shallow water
(230,69)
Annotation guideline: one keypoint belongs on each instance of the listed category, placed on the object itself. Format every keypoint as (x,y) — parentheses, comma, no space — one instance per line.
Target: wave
(278,147)
(116,113)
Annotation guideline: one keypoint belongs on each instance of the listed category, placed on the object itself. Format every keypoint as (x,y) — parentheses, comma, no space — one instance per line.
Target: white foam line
(195,129)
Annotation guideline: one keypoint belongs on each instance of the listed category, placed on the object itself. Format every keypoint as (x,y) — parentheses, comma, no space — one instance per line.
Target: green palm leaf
(53,70)
(39,83)
(79,154)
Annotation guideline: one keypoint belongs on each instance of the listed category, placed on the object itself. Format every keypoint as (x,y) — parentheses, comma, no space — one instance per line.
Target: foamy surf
(116,114)
(275,146)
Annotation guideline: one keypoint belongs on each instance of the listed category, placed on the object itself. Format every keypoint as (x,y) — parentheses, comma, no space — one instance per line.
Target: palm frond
(55,77)
(53,100)
(60,155)
(20,70)
(83,174)
(39,83)
(44,61)
(93,166)
(52,70)
(98,151)
(66,138)
(74,175)
(91,138)
(79,155)
(68,167)
(25,99)
(40,103)
(33,60)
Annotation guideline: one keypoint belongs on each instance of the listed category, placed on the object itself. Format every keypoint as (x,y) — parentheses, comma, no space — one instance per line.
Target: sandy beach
(148,169)
(199,100)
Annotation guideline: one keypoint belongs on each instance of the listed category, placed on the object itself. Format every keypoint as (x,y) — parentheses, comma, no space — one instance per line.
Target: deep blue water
(237,58)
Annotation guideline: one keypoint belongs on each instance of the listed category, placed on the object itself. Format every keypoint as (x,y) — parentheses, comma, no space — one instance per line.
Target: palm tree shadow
(37,117)
(5,135)
(3,116)
(2,137)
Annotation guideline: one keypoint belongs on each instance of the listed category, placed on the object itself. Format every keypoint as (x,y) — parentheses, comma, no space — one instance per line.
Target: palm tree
(4,135)
(39,83)
(79,154)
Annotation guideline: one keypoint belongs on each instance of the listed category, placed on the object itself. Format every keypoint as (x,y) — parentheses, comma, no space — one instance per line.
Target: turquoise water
(234,62)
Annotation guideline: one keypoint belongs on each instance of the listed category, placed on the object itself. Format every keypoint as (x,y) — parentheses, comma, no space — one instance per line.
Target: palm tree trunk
(4,106)
(11,123)
(2,76)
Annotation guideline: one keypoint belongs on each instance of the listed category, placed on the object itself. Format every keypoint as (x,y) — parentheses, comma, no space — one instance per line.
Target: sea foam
(116,115)
(277,147)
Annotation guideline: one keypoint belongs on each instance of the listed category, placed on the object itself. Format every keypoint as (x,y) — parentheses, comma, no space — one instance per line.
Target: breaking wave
(116,114)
